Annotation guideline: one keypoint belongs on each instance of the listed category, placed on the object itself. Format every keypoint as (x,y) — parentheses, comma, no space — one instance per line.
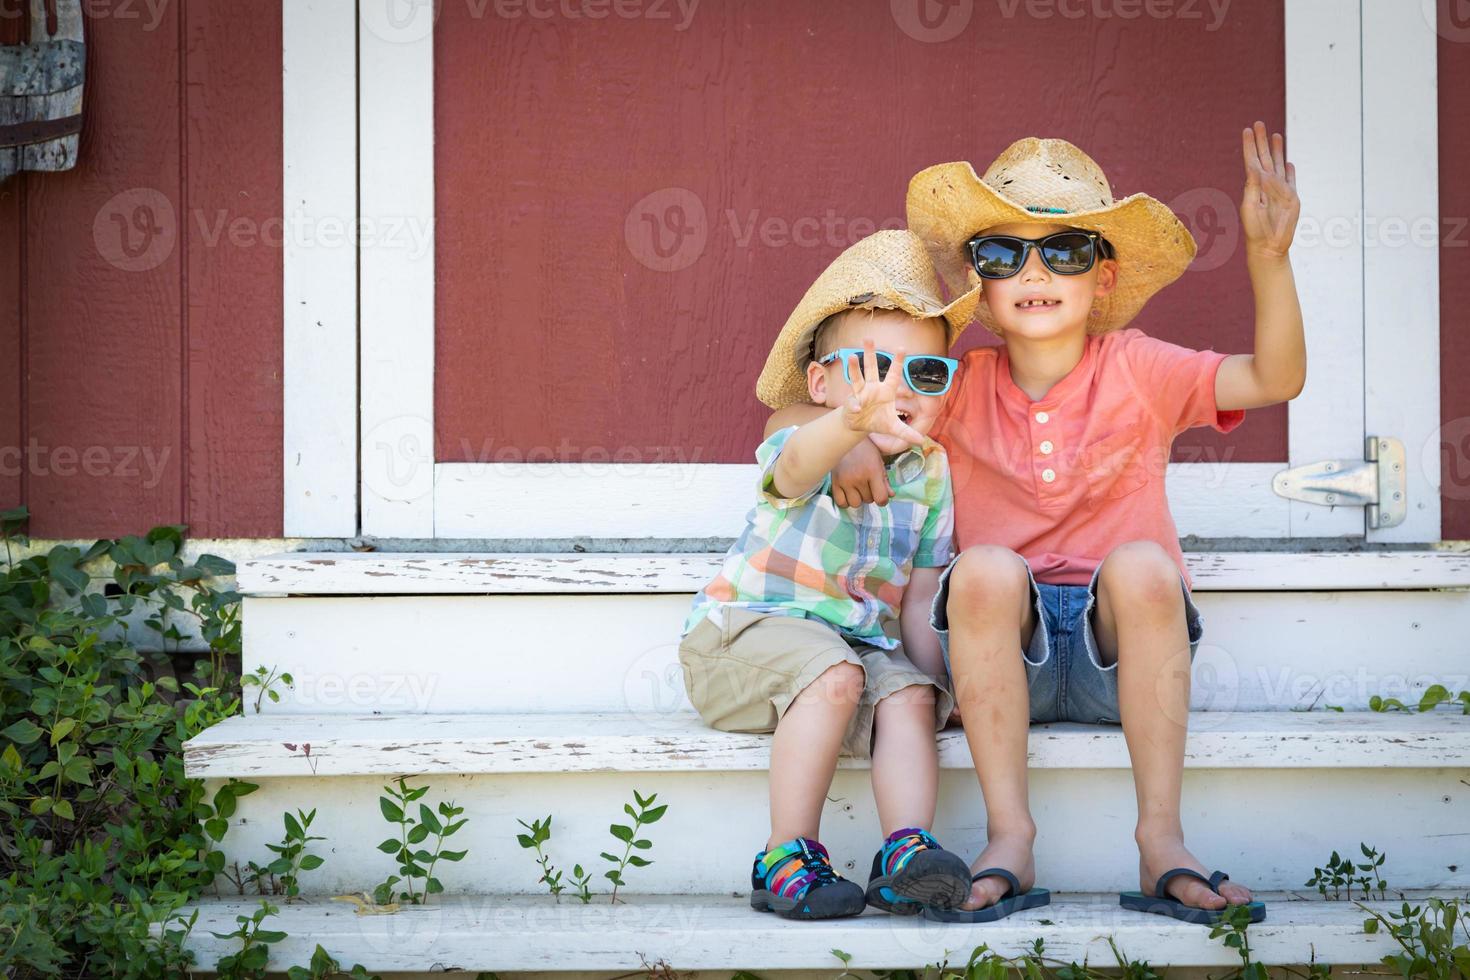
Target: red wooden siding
(1454,272)
(142,331)
(564,333)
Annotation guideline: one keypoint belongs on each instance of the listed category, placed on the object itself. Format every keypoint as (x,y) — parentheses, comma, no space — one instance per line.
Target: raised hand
(873,404)
(1269,206)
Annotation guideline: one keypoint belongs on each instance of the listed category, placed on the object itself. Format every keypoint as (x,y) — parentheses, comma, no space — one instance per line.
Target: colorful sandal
(1162,903)
(796,881)
(911,870)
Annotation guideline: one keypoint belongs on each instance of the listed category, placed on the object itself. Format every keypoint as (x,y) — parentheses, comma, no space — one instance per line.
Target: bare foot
(1009,851)
(1160,854)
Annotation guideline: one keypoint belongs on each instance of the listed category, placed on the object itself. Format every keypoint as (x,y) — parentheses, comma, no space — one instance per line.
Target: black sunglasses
(1067,253)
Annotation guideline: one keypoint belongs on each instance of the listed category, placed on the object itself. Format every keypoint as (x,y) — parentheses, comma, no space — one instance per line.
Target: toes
(985,892)
(1198,894)
(1236,894)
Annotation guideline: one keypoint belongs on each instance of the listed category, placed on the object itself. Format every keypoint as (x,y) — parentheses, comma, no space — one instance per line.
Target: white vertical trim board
(1324,139)
(319,267)
(396,133)
(1401,250)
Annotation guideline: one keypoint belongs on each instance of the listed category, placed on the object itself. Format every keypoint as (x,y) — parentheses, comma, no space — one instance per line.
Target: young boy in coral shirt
(1069,599)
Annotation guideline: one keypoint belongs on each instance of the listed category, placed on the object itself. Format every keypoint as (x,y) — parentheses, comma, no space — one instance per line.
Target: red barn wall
(140,293)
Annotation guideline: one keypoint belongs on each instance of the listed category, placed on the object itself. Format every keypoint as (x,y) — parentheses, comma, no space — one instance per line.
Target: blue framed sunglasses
(927,374)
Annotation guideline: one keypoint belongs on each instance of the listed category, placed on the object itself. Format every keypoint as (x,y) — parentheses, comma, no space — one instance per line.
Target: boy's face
(1066,300)
(889,330)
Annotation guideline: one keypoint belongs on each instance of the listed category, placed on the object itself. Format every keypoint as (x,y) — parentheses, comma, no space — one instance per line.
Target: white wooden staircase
(526,685)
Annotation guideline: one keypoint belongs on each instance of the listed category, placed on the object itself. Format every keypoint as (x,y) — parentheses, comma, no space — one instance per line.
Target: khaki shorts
(741,677)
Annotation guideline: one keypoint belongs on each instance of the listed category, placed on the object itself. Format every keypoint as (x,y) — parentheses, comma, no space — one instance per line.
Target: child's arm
(1268,216)
(859,477)
(815,448)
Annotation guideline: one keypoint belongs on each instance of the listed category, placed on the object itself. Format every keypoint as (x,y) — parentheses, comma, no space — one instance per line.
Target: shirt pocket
(1114,465)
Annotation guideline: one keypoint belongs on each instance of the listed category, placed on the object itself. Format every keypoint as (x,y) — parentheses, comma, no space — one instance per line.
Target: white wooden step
(1262,651)
(259,746)
(1266,797)
(710,932)
(447,573)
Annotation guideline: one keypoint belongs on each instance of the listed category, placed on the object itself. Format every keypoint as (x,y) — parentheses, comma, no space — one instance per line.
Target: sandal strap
(1172,873)
(789,869)
(902,845)
(1013,882)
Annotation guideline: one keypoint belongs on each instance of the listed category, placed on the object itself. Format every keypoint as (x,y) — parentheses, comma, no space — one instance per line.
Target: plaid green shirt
(805,556)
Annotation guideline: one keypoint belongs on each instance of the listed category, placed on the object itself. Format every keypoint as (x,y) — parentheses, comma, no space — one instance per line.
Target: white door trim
(1401,249)
(1324,139)
(319,268)
(407,494)
(396,137)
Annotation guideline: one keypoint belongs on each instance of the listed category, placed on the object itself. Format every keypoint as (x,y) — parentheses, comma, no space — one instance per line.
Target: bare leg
(1140,625)
(991,619)
(905,759)
(804,751)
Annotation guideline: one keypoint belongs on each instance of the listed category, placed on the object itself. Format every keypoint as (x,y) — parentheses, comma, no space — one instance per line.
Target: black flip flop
(1162,903)
(1011,901)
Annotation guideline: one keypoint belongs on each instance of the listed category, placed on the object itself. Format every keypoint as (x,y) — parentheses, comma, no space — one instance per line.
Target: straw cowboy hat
(1052,181)
(888,270)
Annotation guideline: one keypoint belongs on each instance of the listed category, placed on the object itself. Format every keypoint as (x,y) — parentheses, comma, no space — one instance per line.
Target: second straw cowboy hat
(888,270)
(1053,181)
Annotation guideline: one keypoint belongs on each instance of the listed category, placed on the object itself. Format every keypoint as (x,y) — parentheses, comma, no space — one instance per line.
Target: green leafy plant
(292,858)
(1233,928)
(101,834)
(540,834)
(1434,936)
(1341,872)
(416,863)
(627,835)
(255,945)
(323,966)
(646,814)
(1433,696)
(264,681)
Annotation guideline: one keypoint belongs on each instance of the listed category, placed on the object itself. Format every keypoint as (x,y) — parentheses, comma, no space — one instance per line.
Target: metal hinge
(1376,483)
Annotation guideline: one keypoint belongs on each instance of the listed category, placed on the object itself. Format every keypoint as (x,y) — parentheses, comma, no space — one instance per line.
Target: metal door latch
(1376,483)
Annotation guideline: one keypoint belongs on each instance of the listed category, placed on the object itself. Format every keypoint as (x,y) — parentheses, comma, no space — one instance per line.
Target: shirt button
(1042,416)
(1048,474)
(1046,446)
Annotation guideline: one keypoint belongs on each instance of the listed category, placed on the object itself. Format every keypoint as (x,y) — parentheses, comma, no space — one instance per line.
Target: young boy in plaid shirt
(799,632)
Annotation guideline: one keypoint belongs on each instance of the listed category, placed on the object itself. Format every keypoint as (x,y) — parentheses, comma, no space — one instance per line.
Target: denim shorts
(1066,678)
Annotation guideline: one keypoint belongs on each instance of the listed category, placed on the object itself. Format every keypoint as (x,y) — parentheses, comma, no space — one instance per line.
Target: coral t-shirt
(1064,480)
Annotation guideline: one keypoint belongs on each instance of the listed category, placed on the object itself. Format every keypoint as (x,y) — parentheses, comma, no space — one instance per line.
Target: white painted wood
(469,573)
(319,267)
(721,932)
(598,653)
(1266,827)
(333,745)
(1323,133)
(672,500)
(396,86)
(1401,251)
